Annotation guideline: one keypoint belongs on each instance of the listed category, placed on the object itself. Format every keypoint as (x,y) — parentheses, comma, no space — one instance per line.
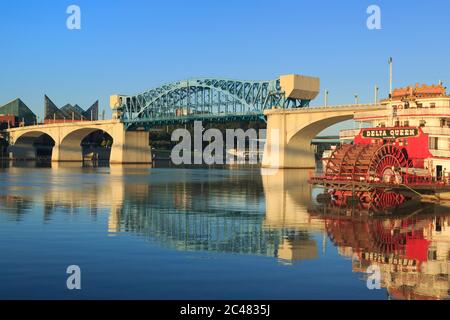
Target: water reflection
(412,251)
(242,212)
(408,240)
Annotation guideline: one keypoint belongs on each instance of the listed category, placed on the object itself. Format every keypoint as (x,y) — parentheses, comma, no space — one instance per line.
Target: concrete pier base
(131,147)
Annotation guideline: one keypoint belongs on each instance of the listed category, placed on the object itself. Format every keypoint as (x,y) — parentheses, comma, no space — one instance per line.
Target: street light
(356,99)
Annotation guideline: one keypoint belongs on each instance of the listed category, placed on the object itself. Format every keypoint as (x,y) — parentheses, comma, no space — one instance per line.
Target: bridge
(283,102)
(213,100)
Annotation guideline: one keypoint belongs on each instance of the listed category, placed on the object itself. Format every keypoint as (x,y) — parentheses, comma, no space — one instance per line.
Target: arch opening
(299,149)
(32,146)
(91,146)
(96,147)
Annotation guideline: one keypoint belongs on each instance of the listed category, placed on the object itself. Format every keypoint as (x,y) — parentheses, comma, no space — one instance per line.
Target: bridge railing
(357,106)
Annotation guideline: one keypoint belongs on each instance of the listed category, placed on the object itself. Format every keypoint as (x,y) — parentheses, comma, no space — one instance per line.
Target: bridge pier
(67,153)
(280,154)
(131,147)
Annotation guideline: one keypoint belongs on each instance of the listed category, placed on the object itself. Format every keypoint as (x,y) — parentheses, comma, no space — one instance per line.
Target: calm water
(155,233)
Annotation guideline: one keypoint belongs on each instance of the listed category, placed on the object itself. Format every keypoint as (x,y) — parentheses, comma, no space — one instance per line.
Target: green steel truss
(204,99)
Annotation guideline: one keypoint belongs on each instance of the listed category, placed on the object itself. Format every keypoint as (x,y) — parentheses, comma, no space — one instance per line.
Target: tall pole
(390,76)
(376,94)
(326,98)
(356,99)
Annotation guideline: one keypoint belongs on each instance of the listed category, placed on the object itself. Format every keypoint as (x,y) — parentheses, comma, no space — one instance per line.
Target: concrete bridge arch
(23,145)
(289,133)
(127,147)
(69,147)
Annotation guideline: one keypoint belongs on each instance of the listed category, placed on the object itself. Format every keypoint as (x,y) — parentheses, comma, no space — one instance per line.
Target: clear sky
(129,46)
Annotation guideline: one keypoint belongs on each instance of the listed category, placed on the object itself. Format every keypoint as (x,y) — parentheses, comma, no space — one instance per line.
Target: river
(195,233)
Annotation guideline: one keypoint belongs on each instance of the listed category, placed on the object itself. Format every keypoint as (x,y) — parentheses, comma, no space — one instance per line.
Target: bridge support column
(69,152)
(280,152)
(130,147)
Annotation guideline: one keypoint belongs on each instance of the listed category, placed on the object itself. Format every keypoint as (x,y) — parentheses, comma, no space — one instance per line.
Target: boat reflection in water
(408,240)
(243,212)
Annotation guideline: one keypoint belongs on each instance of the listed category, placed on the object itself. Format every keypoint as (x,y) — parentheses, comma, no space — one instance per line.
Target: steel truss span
(204,99)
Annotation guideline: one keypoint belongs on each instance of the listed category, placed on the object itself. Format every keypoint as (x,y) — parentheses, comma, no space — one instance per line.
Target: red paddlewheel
(386,164)
(367,163)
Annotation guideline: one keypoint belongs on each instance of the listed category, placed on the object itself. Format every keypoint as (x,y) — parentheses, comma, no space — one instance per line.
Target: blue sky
(129,46)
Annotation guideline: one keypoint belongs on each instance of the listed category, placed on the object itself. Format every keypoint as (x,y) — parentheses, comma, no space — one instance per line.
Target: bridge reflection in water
(269,215)
(198,216)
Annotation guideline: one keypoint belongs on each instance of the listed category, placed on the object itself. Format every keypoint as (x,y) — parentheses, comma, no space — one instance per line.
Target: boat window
(433,143)
(432,255)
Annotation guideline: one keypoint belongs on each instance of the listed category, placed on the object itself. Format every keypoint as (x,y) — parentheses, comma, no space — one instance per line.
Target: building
(15,113)
(69,112)
(420,106)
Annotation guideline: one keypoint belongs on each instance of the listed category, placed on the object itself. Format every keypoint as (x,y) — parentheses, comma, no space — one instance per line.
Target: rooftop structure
(69,112)
(18,111)
(418,91)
